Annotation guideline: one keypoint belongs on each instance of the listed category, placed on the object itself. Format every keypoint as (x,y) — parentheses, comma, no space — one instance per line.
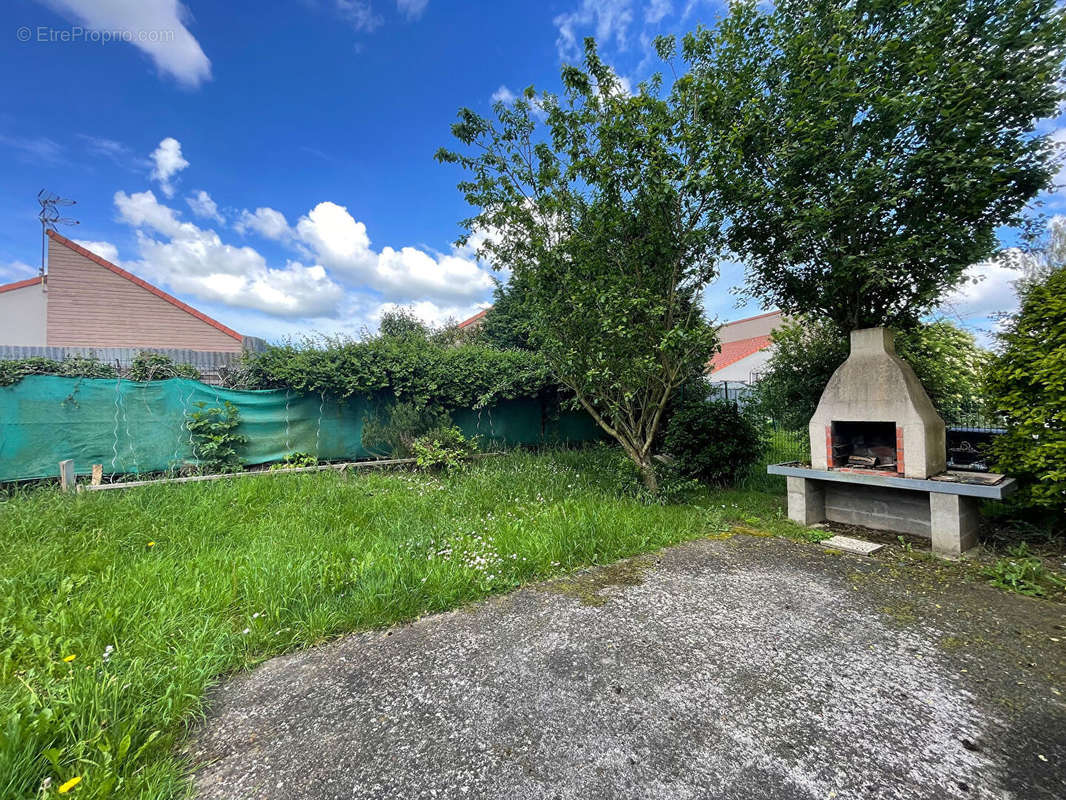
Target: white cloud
(16,271)
(624,85)
(979,302)
(431,313)
(204,206)
(410,272)
(34,149)
(168,162)
(266,222)
(142,210)
(331,250)
(503,95)
(338,239)
(156,27)
(691,6)
(656,10)
(196,261)
(105,250)
(341,243)
(412,9)
(359,14)
(606,19)
(114,151)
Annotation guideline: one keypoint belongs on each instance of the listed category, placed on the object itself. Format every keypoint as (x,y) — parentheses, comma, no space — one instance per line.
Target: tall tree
(1028,386)
(506,324)
(602,213)
(875,146)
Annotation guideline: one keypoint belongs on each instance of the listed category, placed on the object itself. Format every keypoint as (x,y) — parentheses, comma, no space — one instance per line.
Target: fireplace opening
(864,445)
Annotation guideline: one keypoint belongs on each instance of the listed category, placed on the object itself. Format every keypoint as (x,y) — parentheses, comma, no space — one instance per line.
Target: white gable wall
(24,316)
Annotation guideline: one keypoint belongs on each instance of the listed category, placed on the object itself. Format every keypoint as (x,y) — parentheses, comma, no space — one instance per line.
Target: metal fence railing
(737,392)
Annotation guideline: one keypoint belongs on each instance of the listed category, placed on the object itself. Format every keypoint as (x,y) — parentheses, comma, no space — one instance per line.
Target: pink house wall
(93,303)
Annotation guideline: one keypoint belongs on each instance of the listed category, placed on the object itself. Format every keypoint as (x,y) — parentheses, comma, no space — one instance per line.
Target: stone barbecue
(874,407)
(879,455)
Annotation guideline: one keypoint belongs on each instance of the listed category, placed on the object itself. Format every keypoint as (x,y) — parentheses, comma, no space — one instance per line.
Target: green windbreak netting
(132,427)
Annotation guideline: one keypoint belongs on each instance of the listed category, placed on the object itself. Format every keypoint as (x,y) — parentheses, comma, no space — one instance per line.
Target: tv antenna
(50,217)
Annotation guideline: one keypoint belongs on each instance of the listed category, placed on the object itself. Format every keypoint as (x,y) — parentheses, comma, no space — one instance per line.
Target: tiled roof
(10,287)
(474,318)
(732,352)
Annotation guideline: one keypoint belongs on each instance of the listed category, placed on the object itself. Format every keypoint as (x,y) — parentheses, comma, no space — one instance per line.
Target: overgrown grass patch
(119,609)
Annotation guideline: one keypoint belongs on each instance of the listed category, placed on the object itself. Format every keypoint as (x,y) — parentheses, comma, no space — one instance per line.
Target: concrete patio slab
(851,545)
(745,668)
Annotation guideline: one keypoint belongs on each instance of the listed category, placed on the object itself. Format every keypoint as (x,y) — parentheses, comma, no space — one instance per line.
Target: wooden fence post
(98,474)
(67,481)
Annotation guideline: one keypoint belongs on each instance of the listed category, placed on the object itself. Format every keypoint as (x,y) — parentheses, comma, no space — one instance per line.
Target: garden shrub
(410,366)
(1027,382)
(215,442)
(712,440)
(70,367)
(443,448)
(147,366)
(674,487)
(392,428)
(295,461)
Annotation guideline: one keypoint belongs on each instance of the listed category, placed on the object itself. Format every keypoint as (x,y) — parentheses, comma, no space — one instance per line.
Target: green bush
(70,367)
(712,440)
(147,366)
(1027,382)
(675,488)
(295,461)
(391,429)
(407,363)
(215,442)
(443,448)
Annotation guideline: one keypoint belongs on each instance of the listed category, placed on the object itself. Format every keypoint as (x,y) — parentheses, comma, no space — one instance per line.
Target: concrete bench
(944,511)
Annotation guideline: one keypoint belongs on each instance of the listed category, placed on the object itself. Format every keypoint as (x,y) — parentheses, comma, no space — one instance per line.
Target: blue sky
(272,163)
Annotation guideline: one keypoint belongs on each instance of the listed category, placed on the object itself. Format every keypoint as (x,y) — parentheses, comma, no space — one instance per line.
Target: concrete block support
(806,501)
(953,523)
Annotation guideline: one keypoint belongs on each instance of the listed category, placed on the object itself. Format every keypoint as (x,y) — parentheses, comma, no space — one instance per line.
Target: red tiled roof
(103,262)
(732,352)
(10,287)
(474,318)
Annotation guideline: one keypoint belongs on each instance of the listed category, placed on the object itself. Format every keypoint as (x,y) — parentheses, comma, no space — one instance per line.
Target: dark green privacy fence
(134,427)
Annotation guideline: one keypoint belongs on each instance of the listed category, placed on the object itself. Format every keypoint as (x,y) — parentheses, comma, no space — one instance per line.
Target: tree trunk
(647,475)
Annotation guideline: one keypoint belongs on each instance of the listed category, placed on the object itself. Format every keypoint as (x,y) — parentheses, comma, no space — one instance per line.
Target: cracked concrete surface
(738,668)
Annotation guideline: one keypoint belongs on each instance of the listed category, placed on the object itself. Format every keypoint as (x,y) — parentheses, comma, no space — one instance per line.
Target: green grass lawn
(119,609)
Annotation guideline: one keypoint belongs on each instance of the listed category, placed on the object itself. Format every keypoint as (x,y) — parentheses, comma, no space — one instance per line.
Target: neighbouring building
(475,321)
(745,349)
(745,346)
(84,303)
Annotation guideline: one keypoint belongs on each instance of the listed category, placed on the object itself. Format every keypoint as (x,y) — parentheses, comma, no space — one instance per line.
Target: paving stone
(851,545)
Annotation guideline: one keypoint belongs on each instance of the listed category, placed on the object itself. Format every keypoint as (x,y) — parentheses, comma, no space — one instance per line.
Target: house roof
(103,262)
(10,287)
(732,352)
(474,318)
